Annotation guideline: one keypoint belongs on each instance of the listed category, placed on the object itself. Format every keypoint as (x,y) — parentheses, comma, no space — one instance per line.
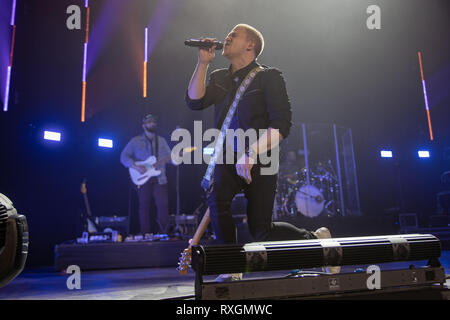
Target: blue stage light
(105,143)
(386,153)
(52,135)
(423,154)
(208,151)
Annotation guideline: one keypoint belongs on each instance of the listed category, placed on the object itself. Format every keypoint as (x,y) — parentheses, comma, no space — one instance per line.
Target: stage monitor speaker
(13,241)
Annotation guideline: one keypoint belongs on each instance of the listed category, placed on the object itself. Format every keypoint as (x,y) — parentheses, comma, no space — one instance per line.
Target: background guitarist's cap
(149,117)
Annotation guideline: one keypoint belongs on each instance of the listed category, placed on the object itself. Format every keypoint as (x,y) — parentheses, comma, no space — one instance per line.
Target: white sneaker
(324,233)
(229,277)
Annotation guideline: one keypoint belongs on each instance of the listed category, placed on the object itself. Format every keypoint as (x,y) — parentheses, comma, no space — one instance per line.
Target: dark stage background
(337,71)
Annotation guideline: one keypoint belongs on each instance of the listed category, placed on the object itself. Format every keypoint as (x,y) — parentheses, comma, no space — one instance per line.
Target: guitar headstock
(185,261)
(83,187)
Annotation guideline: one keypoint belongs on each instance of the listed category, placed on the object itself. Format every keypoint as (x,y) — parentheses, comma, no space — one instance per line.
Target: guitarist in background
(155,189)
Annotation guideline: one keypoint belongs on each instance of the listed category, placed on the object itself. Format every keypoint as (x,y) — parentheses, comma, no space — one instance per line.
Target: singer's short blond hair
(254,35)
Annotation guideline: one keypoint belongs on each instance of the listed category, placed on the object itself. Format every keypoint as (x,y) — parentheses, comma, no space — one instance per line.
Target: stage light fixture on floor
(105,143)
(13,241)
(423,154)
(386,154)
(52,135)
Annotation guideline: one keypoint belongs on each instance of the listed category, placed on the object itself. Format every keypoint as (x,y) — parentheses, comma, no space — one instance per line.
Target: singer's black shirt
(264,104)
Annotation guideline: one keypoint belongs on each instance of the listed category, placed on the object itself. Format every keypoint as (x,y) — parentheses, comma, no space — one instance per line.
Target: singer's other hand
(206,55)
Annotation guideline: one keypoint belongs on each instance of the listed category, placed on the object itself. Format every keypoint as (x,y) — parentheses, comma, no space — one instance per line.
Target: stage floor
(131,284)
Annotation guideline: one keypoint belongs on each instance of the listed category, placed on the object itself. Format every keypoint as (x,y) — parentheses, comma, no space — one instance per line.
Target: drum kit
(298,196)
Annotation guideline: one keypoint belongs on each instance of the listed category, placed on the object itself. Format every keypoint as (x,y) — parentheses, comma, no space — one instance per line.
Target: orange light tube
(145,80)
(419,54)
(83,102)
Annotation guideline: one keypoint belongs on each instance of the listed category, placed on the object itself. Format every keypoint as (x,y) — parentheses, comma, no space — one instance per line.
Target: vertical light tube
(144,73)
(11,53)
(83,94)
(8,77)
(425,96)
(13,13)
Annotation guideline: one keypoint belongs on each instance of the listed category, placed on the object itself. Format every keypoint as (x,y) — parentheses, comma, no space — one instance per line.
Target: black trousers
(147,193)
(260,195)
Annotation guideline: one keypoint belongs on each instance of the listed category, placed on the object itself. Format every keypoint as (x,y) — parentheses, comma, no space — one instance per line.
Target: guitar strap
(155,148)
(218,148)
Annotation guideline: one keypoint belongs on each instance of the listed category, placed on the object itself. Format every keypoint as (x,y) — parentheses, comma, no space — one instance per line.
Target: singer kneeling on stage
(264,105)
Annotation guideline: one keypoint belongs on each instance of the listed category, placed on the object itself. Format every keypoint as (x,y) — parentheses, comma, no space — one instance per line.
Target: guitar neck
(201,229)
(88,207)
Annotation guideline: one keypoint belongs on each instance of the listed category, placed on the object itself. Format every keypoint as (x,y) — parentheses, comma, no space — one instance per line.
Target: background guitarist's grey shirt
(139,149)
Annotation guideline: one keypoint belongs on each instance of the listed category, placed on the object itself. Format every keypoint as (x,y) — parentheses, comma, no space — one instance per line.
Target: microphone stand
(178,191)
(178,228)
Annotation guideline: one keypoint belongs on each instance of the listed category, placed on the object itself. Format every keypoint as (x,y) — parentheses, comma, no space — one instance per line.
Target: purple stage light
(144,67)
(83,82)
(8,78)
(161,17)
(13,13)
(146,45)
(8,72)
(84,61)
(103,28)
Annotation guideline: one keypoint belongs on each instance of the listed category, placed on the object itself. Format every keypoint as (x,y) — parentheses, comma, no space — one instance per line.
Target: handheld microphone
(203,44)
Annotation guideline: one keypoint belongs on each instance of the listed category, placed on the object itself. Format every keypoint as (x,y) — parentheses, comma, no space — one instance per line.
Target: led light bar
(423,154)
(386,153)
(286,255)
(105,143)
(52,135)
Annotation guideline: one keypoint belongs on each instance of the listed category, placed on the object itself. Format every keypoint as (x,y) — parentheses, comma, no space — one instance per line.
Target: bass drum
(309,201)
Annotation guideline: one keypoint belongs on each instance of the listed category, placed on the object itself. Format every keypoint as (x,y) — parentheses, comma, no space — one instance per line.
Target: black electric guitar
(89,219)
